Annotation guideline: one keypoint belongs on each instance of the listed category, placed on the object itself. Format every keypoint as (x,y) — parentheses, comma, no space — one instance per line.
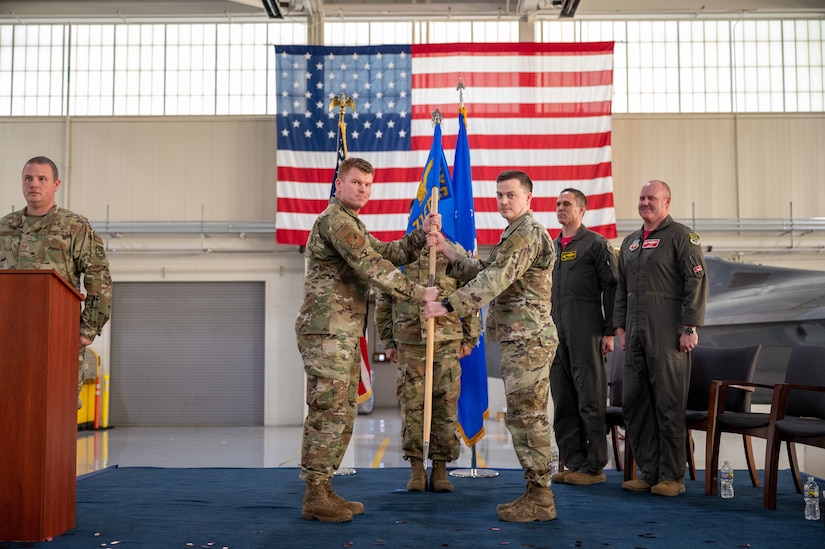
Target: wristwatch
(446,303)
(690,331)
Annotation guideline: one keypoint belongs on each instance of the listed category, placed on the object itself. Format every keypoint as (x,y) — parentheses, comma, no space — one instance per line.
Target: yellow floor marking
(379,455)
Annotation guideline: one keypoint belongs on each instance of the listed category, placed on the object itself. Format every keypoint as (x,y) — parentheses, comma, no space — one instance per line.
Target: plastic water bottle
(726,477)
(811,493)
(554,460)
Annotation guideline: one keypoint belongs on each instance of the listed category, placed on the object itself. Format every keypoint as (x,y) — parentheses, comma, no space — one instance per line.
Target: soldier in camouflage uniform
(518,276)
(404,340)
(44,236)
(343,259)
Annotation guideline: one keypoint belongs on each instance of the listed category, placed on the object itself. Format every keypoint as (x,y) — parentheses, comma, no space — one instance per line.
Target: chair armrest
(781,394)
(744,385)
(789,386)
(719,392)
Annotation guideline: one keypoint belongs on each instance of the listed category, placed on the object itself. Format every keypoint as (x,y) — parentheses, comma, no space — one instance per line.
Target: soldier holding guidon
(518,276)
(402,329)
(343,259)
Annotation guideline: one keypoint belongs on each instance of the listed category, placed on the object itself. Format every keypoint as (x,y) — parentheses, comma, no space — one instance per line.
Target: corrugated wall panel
(187,353)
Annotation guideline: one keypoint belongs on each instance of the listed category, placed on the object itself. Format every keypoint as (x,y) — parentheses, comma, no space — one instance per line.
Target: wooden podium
(39,345)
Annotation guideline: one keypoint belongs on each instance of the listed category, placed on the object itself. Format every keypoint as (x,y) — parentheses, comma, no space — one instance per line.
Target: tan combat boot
(562,475)
(538,504)
(438,478)
(502,506)
(418,476)
(317,506)
(355,507)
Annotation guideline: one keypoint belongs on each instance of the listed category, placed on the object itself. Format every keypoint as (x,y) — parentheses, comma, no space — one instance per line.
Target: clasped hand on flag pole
(430,349)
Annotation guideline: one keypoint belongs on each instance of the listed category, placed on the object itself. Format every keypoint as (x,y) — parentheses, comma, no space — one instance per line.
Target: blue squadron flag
(436,175)
(473,400)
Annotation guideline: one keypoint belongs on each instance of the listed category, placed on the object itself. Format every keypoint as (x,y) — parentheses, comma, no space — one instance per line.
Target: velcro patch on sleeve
(349,236)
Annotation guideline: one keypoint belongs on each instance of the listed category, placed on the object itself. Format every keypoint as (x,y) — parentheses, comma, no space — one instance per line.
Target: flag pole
(473,471)
(342,103)
(428,375)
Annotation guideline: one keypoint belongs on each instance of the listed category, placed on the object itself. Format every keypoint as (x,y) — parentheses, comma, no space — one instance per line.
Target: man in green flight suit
(660,301)
(584,288)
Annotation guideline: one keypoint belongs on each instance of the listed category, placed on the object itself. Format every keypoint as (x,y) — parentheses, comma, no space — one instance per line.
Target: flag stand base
(474,473)
(345,471)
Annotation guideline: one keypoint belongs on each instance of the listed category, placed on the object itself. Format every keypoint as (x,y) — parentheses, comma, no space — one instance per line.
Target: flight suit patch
(694,239)
(634,246)
(568,256)
(650,243)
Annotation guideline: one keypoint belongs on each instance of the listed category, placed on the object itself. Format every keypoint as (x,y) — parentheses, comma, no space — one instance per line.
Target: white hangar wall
(223,169)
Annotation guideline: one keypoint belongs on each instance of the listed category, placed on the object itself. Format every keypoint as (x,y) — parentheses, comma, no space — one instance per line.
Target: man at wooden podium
(45,236)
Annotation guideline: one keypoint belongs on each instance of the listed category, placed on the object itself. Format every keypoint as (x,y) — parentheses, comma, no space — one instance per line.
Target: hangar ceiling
(30,11)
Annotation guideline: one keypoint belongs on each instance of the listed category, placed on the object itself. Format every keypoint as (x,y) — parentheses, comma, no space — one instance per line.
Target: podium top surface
(43,272)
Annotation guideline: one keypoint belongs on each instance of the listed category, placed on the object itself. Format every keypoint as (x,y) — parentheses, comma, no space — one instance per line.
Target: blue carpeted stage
(126,508)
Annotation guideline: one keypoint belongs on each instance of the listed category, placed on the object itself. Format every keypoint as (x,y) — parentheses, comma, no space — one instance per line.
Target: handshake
(432,306)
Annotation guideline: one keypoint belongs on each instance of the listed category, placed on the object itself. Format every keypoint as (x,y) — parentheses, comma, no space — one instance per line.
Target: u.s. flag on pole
(365,383)
(541,108)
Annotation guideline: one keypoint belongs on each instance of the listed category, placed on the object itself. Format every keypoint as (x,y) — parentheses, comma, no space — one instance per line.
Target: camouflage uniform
(584,288)
(662,286)
(518,275)
(63,241)
(343,259)
(408,334)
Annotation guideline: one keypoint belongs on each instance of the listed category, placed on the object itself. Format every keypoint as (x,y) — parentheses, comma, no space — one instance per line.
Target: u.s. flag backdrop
(541,108)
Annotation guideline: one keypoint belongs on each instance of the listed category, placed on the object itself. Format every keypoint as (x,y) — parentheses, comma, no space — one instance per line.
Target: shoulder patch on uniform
(100,252)
(694,239)
(568,256)
(350,237)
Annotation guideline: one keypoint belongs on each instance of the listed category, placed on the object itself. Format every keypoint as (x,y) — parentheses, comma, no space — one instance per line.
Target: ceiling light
(273,9)
(568,7)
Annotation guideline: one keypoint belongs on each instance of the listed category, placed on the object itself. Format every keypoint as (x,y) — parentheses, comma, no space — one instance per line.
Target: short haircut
(524,179)
(43,160)
(580,198)
(354,162)
(663,184)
